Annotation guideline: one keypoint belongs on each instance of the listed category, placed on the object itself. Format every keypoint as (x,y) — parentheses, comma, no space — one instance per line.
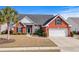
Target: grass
(24,41)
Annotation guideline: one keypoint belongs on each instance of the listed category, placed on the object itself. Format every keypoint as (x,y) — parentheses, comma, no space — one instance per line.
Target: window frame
(58,19)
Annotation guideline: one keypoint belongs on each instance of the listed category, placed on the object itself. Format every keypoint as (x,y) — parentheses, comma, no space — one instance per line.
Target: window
(19,30)
(58,21)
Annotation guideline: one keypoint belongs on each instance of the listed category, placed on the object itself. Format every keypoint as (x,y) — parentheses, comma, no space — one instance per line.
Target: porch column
(69,34)
(24,29)
(15,29)
(31,29)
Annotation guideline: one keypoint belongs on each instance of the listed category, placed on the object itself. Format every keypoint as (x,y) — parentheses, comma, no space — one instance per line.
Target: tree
(1,20)
(10,16)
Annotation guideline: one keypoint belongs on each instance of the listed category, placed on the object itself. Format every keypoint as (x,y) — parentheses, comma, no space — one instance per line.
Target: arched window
(58,21)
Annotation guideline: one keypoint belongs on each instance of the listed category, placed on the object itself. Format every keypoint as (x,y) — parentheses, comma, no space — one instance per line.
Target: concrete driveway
(66,44)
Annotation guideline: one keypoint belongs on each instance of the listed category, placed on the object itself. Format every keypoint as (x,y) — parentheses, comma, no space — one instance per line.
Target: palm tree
(1,20)
(10,16)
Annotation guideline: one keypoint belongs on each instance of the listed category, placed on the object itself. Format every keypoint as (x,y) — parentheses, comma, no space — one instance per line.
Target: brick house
(51,25)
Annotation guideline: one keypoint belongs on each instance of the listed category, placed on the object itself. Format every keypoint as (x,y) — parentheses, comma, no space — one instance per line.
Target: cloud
(71,12)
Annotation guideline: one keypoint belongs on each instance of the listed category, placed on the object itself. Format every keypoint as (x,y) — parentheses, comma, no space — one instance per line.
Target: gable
(57,22)
(19,24)
(26,20)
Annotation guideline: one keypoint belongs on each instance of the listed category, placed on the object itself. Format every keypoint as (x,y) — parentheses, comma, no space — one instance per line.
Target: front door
(29,29)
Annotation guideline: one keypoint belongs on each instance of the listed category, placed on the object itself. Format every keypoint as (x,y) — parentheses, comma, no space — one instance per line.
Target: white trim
(55,18)
(23,18)
(26,17)
(45,26)
(18,22)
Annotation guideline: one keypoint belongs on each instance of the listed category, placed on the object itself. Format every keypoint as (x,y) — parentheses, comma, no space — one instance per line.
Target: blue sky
(65,11)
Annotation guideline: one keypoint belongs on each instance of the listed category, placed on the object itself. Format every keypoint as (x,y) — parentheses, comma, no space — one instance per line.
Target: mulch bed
(4,40)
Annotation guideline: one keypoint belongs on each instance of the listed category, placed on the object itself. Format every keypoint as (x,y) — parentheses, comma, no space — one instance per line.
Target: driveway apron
(66,44)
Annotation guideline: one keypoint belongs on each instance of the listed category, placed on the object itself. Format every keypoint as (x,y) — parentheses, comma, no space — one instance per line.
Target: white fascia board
(26,20)
(55,18)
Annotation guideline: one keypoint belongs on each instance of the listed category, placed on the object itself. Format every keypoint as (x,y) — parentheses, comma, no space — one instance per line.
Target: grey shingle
(37,19)
(74,21)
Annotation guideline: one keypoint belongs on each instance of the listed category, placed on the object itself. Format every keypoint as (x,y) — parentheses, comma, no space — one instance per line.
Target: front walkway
(66,44)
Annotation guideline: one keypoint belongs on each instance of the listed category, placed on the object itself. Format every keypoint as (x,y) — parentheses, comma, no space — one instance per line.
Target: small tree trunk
(8,28)
(0,30)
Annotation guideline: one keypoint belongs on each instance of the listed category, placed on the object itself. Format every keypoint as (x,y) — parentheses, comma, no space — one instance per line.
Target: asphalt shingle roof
(74,21)
(38,19)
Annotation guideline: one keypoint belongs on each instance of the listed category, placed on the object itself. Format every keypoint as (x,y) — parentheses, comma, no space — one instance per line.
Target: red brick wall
(24,29)
(69,34)
(15,29)
(62,25)
(53,25)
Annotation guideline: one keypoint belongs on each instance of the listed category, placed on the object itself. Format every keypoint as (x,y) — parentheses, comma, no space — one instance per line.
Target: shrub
(72,34)
(5,32)
(40,32)
(24,33)
(14,33)
(76,32)
(44,34)
(11,31)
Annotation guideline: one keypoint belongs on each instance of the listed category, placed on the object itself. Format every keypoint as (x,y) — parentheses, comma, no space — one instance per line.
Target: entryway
(29,29)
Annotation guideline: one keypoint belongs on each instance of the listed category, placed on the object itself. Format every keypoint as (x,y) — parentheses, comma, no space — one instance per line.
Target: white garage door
(58,32)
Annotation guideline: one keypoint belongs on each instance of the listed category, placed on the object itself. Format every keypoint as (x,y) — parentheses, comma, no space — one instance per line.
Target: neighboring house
(3,27)
(51,25)
(74,22)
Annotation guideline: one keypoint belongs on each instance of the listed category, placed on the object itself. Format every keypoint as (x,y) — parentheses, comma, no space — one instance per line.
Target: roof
(74,21)
(57,17)
(37,18)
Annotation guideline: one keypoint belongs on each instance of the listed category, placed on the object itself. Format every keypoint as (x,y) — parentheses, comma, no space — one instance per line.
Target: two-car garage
(58,32)
(58,27)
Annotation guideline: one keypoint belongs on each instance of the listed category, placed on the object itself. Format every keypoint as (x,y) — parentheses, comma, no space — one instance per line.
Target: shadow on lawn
(4,40)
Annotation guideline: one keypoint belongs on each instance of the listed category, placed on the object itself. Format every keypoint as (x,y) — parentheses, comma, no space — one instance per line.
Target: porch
(26,28)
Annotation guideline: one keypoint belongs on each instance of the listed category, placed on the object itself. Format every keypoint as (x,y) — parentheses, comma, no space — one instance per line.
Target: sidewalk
(30,49)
